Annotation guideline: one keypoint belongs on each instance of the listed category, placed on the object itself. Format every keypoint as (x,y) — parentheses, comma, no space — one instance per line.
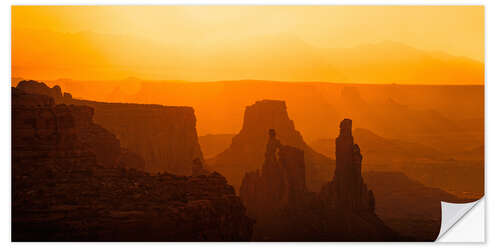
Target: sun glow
(286,43)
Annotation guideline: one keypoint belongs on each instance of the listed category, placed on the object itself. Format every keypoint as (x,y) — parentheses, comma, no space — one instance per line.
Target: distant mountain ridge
(280,57)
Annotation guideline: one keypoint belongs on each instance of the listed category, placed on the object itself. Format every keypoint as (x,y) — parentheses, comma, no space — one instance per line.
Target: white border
(492,57)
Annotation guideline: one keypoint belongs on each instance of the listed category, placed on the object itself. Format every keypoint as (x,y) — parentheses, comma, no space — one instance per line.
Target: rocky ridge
(61,191)
(281,182)
(284,209)
(164,137)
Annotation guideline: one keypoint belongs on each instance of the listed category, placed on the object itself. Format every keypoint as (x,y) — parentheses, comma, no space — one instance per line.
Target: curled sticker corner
(451,213)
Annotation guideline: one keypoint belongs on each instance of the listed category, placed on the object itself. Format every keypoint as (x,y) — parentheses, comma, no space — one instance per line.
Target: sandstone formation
(34,87)
(461,174)
(378,150)
(99,141)
(164,137)
(247,149)
(347,190)
(198,168)
(63,191)
(280,183)
(44,133)
(284,210)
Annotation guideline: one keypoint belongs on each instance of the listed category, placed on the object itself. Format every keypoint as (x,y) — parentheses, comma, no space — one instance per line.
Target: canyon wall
(164,137)
(40,88)
(62,192)
(44,133)
(247,150)
(37,120)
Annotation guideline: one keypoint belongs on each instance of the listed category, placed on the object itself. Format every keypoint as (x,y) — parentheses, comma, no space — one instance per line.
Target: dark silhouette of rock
(99,141)
(61,192)
(347,189)
(67,97)
(247,150)
(284,210)
(164,137)
(44,133)
(129,159)
(458,173)
(378,150)
(198,168)
(281,182)
(40,88)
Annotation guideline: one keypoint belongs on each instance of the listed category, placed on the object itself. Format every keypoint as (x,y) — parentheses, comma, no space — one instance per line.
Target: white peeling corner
(472,230)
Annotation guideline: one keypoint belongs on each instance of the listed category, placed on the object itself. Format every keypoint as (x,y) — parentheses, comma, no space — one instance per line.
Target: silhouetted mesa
(347,189)
(165,137)
(62,190)
(39,88)
(247,150)
(49,128)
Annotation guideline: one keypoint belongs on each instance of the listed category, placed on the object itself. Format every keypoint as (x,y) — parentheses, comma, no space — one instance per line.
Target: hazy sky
(455,30)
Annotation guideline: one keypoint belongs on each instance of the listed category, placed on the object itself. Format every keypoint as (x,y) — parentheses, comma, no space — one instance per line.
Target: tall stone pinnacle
(348,156)
(347,189)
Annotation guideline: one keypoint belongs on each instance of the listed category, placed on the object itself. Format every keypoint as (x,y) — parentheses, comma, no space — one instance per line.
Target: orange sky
(419,44)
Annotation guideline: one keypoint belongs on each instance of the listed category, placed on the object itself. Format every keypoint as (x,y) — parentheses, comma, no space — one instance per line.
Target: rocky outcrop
(44,133)
(198,168)
(277,197)
(165,137)
(40,88)
(102,143)
(378,150)
(40,121)
(347,190)
(60,191)
(247,149)
(281,182)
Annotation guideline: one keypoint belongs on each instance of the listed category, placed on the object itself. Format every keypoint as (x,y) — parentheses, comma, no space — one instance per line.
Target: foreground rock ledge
(61,192)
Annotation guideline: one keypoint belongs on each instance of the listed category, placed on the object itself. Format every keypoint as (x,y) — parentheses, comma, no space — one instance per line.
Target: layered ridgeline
(247,149)
(407,206)
(72,181)
(165,137)
(277,197)
(458,173)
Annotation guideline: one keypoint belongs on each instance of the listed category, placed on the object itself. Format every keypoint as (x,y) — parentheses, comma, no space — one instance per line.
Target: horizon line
(254,80)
